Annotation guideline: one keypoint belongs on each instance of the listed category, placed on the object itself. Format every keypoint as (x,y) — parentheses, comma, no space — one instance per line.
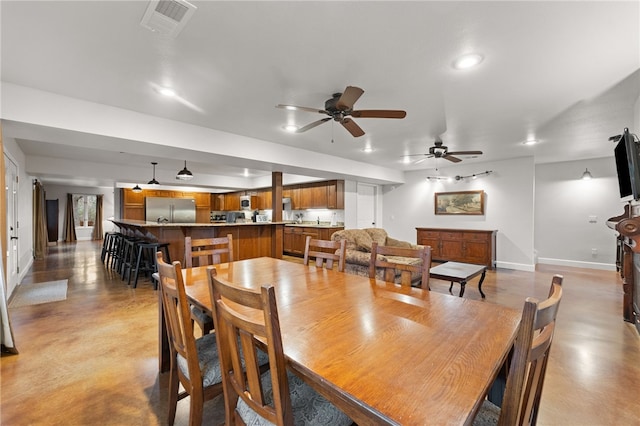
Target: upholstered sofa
(358,251)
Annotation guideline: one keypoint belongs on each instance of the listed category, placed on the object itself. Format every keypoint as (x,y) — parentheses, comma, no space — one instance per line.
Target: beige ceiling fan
(340,108)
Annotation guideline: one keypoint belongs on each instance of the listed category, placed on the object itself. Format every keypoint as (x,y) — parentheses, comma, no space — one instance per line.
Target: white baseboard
(516,266)
(577,264)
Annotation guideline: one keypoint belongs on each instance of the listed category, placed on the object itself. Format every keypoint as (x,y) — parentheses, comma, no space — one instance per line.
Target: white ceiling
(564,73)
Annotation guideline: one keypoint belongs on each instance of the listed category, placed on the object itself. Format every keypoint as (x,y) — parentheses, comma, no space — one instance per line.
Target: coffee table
(457,272)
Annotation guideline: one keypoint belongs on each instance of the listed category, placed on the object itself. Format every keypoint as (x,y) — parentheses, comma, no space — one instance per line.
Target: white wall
(509,206)
(564,203)
(60,192)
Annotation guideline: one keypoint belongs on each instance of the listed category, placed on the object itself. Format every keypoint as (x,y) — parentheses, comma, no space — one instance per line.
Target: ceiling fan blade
(300,108)
(312,125)
(352,127)
(349,97)
(465,153)
(452,158)
(379,113)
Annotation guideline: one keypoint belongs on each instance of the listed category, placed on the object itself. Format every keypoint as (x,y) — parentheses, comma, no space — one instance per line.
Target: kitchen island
(249,239)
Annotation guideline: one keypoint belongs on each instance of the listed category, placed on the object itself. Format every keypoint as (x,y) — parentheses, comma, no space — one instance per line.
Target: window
(84,210)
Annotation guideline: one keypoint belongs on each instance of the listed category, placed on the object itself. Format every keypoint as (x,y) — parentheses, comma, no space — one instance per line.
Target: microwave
(245,202)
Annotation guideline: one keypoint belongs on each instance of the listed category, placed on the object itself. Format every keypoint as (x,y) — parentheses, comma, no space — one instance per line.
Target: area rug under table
(37,293)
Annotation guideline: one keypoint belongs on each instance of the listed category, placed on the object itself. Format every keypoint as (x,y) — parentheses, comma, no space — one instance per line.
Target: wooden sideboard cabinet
(460,245)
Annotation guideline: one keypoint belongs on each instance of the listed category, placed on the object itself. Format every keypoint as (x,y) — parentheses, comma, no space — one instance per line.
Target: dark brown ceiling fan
(340,107)
(438,150)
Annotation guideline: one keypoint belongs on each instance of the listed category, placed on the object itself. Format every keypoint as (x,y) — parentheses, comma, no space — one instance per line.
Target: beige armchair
(358,250)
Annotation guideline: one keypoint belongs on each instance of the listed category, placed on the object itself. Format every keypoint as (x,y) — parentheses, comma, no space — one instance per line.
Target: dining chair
(206,251)
(389,259)
(313,248)
(528,364)
(194,362)
(245,319)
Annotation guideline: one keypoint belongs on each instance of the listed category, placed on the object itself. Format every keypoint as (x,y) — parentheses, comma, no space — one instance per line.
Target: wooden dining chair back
(314,249)
(207,251)
(528,364)
(187,353)
(245,320)
(388,258)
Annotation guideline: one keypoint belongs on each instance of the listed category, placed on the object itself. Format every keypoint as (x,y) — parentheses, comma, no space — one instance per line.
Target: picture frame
(459,203)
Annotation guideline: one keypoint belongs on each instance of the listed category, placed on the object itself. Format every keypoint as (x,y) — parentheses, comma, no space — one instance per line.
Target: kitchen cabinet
(292,192)
(316,195)
(132,198)
(460,245)
(321,195)
(295,237)
(232,201)
(133,204)
(262,199)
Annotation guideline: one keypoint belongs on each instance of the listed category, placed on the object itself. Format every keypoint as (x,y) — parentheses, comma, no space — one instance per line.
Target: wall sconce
(184,174)
(586,175)
(136,189)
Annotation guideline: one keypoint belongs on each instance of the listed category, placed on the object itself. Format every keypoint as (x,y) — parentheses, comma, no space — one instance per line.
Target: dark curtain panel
(69,221)
(39,222)
(97,226)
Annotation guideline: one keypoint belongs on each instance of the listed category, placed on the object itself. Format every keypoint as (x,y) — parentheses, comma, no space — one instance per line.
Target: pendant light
(154,181)
(184,174)
(136,189)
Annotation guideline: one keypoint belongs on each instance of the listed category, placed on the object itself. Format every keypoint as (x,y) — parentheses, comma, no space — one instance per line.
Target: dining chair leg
(174,387)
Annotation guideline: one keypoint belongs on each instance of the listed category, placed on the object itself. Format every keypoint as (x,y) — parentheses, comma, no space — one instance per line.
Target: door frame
(12,193)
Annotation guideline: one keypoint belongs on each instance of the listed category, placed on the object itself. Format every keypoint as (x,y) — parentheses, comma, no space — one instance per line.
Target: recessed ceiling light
(367,149)
(166,91)
(530,142)
(467,61)
(291,128)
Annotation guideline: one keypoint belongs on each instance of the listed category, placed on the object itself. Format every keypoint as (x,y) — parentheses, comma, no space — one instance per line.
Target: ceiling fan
(438,150)
(340,107)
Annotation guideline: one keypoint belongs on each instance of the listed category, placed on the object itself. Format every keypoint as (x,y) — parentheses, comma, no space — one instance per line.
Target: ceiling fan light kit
(184,174)
(438,150)
(340,107)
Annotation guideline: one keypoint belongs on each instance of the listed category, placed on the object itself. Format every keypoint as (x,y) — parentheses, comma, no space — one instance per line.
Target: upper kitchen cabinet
(263,200)
(132,198)
(321,195)
(232,201)
(335,194)
(293,193)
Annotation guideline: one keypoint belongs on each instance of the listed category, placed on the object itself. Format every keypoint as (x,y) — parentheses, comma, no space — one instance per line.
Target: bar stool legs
(146,260)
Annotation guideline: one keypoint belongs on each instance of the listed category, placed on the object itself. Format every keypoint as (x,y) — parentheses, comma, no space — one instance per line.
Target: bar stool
(146,261)
(128,258)
(116,252)
(108,244)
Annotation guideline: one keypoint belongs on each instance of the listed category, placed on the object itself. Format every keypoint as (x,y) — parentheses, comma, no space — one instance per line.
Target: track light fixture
(460,177)
(184,174)
(154,181)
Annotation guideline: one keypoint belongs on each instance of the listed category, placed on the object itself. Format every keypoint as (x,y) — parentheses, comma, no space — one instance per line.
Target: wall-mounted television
(628,166)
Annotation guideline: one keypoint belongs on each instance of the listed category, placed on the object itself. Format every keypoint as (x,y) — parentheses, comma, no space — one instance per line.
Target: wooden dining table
(383,353)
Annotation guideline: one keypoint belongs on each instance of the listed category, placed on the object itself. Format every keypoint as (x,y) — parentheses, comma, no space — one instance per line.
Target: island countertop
(251,239)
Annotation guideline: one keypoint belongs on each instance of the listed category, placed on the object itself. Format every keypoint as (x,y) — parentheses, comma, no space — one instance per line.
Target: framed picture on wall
(460,203)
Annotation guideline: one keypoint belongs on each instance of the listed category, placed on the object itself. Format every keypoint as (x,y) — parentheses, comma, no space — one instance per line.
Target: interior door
(366,205)
(11,188)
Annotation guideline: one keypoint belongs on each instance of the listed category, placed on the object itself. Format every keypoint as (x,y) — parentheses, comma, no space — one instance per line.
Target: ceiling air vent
(167,17)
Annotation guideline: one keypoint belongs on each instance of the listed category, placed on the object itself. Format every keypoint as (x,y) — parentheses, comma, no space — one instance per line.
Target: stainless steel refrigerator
(170,210)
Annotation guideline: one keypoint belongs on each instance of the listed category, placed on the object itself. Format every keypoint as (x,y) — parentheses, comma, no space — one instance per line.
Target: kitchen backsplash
(306,216)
